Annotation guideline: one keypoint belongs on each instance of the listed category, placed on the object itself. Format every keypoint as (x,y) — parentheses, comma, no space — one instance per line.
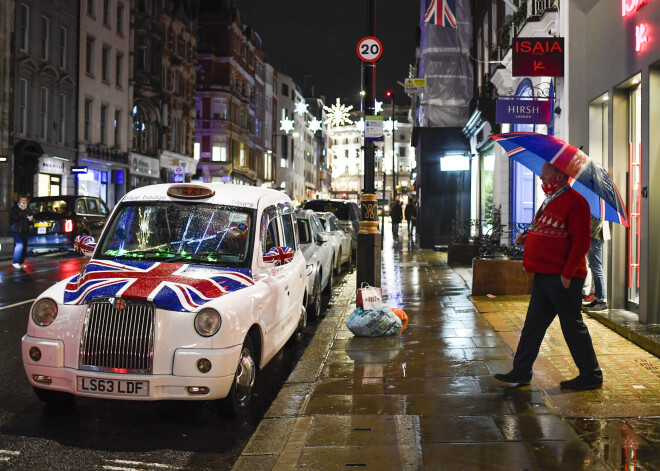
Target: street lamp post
(393,156)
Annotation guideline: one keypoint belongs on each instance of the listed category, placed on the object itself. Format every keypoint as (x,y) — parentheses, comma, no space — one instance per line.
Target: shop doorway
(634,196)
(49,185)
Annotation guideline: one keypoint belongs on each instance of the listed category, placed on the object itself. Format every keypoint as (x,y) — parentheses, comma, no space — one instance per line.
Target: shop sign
(538,57)
(146,166)
(523,111)
(631,6)
(51,165)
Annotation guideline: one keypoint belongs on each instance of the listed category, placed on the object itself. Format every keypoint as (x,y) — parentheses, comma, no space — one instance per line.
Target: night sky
(315,42)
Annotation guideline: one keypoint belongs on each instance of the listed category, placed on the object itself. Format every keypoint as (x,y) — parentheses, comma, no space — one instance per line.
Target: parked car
(347,212)
(58,220)
(190,291)
(341,241)
(319,257)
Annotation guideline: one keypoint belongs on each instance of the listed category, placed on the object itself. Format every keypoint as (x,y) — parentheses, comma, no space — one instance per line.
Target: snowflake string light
(286,125)
(378,106)
(338,114)
(359,125)
(379,154)
(389,125)
(301,108)
(315,125)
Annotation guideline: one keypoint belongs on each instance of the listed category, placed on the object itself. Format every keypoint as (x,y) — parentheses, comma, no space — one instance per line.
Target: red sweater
(560,240)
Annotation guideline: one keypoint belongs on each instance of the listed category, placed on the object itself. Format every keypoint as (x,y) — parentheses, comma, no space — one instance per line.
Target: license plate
(41,230)
(43,224)
(112,387)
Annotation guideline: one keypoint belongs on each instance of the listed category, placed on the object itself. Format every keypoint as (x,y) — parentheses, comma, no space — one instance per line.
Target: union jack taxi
(190,290)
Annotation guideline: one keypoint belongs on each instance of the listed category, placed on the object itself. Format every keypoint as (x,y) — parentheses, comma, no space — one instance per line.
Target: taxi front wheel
(239,396)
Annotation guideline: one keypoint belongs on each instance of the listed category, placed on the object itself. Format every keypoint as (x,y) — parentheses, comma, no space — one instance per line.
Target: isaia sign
(538,57)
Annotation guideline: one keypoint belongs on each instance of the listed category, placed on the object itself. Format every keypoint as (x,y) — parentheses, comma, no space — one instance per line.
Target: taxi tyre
(337,266)
(297,336)
(350,259)
(328,288)
(314,300)
(53,397)
(240,393)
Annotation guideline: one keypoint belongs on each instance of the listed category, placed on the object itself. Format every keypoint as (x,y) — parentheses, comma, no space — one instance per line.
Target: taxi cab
(190,290)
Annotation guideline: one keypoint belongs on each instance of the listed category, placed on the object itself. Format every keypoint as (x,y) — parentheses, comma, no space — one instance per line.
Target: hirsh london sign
(523,111)
(538,57)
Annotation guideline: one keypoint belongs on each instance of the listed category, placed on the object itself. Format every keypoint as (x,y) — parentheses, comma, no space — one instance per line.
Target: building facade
(6,112)
(103,99)
(43,136)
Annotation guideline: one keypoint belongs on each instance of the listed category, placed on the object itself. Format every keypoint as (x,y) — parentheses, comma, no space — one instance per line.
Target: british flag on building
(170,286)
(441,13)
(279,255)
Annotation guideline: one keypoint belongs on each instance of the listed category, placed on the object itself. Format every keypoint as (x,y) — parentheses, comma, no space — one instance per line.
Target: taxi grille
(118,340)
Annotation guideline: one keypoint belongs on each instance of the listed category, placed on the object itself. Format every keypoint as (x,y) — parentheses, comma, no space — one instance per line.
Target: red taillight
(68,225)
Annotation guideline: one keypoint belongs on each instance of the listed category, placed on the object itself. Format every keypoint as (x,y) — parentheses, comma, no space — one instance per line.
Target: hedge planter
(461,254)
(499,276)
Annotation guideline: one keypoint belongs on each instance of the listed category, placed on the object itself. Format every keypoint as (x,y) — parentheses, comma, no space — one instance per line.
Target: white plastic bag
(379,322)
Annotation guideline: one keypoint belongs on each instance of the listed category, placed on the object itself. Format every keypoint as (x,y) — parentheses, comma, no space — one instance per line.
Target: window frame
(24,24)
(44,26)
(43,113)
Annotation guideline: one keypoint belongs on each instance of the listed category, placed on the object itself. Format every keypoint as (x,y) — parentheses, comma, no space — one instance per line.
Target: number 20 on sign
(369,49)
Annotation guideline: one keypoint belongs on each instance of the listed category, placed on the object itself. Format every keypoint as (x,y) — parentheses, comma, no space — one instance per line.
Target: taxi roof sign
(190,192)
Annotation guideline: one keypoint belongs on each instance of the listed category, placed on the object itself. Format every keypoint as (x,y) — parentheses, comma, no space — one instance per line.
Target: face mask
(550,188)
(22,205)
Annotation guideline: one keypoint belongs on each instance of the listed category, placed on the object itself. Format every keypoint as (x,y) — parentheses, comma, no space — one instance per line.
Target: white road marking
(10,452)
(14,305)
(136,463)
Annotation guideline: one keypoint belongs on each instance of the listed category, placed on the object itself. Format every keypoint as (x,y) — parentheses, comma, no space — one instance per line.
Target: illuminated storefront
(614,110)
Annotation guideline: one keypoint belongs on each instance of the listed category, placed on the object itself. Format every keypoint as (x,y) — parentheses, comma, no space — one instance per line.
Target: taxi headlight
(44,312)
(207,322)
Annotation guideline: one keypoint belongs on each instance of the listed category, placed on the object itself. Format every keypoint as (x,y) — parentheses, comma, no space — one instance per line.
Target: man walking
(411,216)
(397,215)
(555,249)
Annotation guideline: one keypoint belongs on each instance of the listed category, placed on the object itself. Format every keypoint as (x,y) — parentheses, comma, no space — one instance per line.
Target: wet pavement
(426,399)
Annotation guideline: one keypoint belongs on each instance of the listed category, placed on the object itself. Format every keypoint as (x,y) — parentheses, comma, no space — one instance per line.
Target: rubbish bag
(401,315)
(379,322)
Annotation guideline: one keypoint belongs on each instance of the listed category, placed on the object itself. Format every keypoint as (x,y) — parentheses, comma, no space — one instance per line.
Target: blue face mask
(22,205)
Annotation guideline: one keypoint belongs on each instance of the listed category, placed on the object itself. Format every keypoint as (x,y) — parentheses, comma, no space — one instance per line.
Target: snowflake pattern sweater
(560,239)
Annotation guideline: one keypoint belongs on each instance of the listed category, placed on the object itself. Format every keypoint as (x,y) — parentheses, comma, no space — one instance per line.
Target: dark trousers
(549,298)
(20,247)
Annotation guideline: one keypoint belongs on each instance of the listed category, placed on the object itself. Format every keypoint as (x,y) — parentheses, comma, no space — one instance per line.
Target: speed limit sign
(369,49)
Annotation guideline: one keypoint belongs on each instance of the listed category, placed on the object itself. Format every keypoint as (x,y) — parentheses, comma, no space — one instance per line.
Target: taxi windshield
(179,232)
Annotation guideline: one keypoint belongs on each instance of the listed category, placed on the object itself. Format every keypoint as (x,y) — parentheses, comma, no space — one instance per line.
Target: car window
(48,206)
(331,225)
(269,231)
(103,209)
(81,208)
(304,231)
(287,228)
(316,225)
(338,208)
(180,232)
(92,207)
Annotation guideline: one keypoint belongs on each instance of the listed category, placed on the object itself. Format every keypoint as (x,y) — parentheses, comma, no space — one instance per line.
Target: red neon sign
(630,6)
(641,36)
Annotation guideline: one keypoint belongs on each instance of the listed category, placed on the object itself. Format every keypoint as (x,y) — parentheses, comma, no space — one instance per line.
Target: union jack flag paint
(84,244)
(170,286)
(441,13)
(279,255)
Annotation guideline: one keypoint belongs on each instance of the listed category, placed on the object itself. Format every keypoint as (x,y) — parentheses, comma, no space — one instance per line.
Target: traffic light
(388,94)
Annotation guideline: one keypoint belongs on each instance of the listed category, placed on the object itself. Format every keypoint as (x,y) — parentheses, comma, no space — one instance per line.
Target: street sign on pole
(369,49)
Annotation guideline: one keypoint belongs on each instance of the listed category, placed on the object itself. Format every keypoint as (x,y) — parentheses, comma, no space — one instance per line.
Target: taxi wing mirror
(278,256)
(84,245)
(322,237)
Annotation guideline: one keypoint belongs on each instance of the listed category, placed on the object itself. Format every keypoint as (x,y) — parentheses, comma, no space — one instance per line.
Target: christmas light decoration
(359,125)
(315,125)
(338,114)
(286,125)
(379,153)
(301,108)
(389,125)
(378,106)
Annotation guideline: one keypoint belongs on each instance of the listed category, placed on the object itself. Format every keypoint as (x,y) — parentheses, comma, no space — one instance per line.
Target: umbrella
(585,176)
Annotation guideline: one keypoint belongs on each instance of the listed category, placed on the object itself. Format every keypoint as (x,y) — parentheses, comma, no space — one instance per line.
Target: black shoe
(514,376)
(583,383)
(591,304)
(598,307)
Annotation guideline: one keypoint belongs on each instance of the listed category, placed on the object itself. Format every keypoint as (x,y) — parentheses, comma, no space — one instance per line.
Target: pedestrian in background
(411,216)
(397,215)
(19,226)
(599,233)
(555,248)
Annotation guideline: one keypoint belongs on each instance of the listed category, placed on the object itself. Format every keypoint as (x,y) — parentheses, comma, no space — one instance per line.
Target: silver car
(317,249)
(341,241)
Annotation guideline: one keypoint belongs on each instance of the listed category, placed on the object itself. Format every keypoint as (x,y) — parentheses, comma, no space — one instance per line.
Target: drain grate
(537,404)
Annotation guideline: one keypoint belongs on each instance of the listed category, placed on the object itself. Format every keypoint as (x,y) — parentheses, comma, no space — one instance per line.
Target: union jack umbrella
(84,244)
(279,255)
(441,13)
(585,176)
(170,286)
